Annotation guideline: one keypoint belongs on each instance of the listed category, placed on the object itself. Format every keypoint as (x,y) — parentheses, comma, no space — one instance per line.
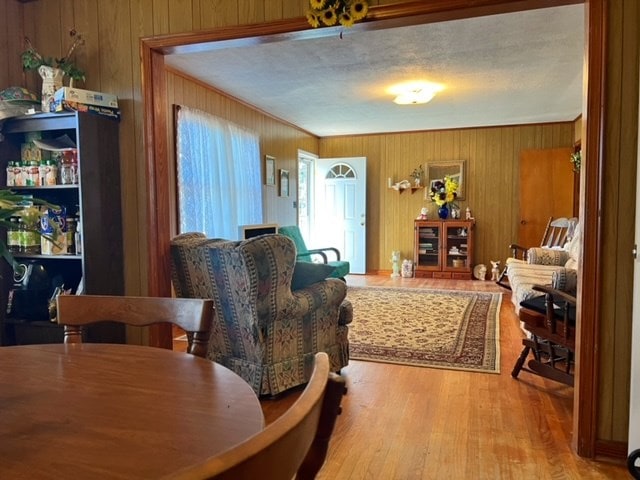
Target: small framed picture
(284,183)
(269,170)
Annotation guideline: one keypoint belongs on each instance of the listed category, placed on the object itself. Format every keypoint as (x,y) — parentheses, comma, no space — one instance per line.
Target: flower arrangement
(443,192)
(417,175)
(330,12)
(32,60)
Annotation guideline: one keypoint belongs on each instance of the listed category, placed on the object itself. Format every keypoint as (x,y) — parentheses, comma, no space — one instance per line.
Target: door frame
(159,210)
(310,160)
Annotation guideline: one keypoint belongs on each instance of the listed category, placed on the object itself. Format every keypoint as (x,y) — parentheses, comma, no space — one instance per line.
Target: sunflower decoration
(331,12)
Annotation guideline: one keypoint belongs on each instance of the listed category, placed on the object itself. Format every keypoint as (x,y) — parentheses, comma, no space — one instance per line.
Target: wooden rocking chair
(556,234)
(550,319)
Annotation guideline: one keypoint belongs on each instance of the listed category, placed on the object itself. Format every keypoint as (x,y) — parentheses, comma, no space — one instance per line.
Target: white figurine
(423,214)
(495,271)
(407,268)
(467,214)
(395,261)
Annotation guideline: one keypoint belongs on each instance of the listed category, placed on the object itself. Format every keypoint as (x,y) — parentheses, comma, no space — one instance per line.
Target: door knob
(523,222)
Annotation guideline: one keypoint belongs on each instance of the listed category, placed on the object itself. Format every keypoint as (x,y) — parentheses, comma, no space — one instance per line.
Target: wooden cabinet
(96,267)
(443,249)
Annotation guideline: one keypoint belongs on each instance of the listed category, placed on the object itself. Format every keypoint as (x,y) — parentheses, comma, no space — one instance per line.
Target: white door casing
(340,208)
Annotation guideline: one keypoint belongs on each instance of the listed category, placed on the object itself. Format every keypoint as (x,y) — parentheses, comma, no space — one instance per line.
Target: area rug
(428,328)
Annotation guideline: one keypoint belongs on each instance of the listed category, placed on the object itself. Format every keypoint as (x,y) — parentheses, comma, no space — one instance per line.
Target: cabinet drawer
(461,276)
(442,275)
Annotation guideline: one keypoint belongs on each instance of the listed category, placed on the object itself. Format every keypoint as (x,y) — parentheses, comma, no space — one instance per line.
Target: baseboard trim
(613,450)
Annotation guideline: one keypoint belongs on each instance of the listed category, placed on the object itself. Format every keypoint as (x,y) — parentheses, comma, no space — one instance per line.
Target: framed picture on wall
(437,170)
(269,170)
(284,183)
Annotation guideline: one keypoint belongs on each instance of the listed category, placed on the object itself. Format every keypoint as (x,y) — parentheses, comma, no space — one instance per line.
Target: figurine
(407,268)
(495,271)
(480,272)
(423,214)
(395,261)
(467,214)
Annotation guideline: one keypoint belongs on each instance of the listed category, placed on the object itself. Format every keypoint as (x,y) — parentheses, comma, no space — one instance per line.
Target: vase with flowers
(52,70)
(443,193)
(331,12)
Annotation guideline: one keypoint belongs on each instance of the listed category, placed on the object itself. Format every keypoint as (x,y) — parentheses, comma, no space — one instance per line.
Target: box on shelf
(76,99)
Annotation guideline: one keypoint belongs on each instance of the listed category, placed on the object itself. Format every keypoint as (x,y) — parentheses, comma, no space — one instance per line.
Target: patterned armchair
(262,330)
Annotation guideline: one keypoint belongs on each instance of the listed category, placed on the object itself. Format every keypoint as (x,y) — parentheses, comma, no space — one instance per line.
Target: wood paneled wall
(111,59)
(491,187)
(618,216)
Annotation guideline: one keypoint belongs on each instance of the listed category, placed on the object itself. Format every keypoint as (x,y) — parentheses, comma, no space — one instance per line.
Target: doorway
(306,163)
(340,212)
(156,117)
(546,190)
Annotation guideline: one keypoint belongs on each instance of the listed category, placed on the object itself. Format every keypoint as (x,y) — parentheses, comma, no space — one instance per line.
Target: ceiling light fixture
(415,93)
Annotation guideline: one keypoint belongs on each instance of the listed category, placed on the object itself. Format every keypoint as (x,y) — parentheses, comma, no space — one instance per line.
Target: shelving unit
(98,266)
(443,249)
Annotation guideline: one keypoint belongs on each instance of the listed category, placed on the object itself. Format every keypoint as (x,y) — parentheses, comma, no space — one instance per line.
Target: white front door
(340,209)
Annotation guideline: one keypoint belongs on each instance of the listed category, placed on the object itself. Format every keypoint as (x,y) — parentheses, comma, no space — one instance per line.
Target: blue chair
(305,255)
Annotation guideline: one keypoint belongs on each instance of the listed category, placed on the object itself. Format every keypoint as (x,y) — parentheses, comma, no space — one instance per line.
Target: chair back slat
(194,316)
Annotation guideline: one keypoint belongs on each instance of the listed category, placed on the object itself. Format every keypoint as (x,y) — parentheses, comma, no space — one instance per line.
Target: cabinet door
(428,244)
(457,247)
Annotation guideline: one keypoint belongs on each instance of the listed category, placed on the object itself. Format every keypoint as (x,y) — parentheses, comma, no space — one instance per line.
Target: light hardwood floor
(401,422)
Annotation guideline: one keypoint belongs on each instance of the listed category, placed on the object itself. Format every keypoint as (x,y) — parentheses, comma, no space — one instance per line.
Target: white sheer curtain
(219,182)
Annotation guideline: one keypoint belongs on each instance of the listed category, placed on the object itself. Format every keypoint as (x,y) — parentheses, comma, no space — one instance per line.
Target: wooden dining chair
(193,315)
(293,446)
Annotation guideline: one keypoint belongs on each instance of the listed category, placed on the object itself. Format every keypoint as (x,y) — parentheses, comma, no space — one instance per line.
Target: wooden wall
(491,191)
(618,216)
(111,59)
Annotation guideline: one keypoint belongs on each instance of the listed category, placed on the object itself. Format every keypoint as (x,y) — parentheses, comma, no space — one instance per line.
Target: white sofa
(557,267)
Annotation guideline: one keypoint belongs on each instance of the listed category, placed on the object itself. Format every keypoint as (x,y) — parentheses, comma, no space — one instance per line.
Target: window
(219,184)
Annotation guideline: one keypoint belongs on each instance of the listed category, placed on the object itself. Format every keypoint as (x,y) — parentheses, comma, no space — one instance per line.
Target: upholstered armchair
(262,330)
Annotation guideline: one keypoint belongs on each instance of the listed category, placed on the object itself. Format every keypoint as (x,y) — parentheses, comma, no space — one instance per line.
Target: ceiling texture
(508,69)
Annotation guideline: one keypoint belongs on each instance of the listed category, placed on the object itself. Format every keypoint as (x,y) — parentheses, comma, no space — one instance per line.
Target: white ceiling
(514,68)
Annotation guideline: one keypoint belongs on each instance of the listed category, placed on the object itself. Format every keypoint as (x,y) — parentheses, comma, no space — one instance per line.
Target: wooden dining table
(86,411)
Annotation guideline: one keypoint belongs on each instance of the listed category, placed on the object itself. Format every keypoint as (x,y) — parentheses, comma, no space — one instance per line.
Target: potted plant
(52,70)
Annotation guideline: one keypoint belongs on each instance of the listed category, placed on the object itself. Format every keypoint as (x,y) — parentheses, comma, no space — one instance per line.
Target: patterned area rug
(427,328)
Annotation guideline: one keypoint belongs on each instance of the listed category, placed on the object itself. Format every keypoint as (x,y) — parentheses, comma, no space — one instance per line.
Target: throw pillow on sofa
(307,273)
(565,279)
(547,256)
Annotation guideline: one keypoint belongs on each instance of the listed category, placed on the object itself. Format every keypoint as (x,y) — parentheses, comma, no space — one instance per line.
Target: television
(249,231)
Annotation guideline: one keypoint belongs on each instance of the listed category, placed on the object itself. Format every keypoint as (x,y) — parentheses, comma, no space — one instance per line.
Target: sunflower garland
(330,12)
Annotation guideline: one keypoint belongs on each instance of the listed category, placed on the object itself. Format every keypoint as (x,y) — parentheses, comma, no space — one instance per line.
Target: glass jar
(71,234)
(69,167)
(18,174)
(32,175)
(13,235)
(10,175)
